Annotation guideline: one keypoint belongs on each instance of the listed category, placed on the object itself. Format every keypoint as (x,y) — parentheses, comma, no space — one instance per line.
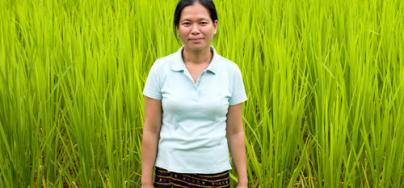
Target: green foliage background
(325,81)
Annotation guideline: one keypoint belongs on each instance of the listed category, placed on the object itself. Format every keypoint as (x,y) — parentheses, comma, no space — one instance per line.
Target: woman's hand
(242,185)
(151,132)
(235,138)
(147,185)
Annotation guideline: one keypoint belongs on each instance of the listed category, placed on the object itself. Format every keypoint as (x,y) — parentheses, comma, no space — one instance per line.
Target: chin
(197,47)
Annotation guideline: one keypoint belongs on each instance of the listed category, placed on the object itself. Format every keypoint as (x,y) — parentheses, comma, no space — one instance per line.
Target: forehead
(195,11)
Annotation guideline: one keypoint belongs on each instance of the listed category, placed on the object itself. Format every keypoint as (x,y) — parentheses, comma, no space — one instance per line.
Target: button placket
(198,81)
(189,77)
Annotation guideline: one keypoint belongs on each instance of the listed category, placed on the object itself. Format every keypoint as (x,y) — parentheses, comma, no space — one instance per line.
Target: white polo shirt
(193,130)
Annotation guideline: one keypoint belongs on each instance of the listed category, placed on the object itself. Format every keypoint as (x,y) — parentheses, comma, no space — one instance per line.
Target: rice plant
(324,79)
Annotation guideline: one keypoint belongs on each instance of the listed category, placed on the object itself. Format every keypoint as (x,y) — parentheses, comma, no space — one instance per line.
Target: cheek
(210,34)
(183,33)
(208,31)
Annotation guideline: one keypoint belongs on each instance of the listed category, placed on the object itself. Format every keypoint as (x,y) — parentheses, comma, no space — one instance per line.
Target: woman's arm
(151,133)
(235,137)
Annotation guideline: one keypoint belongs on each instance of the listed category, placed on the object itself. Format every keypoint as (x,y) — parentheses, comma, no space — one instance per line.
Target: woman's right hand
(150,138)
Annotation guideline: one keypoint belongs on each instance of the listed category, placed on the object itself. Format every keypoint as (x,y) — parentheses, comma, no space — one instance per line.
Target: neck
(197,56)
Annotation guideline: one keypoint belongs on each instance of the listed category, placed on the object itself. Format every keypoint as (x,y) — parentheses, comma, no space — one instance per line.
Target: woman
(193,109)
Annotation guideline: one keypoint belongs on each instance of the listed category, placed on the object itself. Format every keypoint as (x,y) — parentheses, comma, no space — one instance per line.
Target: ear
(215,26)
(176,32)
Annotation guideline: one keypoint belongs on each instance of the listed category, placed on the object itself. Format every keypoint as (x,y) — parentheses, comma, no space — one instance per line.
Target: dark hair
(208,4)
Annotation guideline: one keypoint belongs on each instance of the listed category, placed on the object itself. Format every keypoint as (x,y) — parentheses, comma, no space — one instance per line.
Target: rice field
(324,79)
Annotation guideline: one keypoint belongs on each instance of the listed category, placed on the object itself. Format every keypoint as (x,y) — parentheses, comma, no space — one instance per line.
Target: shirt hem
(156,97)
(237,101)
(192,171)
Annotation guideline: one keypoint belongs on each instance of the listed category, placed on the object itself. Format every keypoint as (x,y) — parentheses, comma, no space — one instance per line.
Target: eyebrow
(199,19)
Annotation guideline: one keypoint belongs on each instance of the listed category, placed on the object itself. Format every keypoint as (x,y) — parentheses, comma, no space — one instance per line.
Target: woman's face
(196,28)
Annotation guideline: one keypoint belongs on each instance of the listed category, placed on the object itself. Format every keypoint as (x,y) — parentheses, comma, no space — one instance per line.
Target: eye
(186,24)
(204,23)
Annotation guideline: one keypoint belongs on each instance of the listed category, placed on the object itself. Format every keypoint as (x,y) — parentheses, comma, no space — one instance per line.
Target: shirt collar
(179,65)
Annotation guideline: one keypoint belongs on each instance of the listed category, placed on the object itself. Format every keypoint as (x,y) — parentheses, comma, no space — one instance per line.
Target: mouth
(195,39)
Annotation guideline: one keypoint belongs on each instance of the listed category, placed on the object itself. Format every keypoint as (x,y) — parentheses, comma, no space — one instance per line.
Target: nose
(194,29)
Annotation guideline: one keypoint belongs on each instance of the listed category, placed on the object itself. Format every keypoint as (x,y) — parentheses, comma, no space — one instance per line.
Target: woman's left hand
(242,185)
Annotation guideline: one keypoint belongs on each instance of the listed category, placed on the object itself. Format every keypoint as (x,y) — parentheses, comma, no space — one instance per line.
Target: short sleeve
(152,86)
(238,94)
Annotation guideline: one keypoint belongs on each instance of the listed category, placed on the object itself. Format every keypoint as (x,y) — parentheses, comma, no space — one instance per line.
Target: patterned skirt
(166,179)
